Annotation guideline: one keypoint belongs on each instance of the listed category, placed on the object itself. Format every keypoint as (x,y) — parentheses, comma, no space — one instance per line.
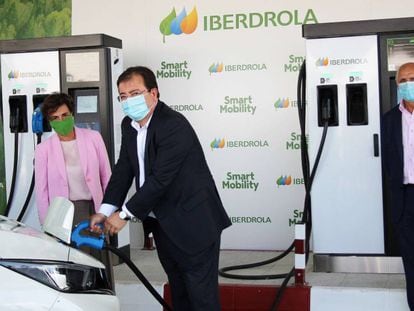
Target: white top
(78,189)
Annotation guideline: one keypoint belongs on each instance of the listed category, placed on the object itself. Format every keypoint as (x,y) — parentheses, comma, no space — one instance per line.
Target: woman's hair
(54,101)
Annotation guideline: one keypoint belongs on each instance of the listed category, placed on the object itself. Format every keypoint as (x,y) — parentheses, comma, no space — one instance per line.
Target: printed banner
(231,68)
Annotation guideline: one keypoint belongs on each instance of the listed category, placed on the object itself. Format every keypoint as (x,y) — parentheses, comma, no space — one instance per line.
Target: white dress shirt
(108,209)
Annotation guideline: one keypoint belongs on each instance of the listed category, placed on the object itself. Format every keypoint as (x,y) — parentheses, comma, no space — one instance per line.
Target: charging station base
(357,264)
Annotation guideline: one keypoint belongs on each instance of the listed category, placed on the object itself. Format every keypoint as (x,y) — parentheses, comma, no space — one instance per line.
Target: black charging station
(327,105)
(356,101)
(18,113)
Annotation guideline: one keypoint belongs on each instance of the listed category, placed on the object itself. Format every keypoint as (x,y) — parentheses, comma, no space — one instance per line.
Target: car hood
(19,241)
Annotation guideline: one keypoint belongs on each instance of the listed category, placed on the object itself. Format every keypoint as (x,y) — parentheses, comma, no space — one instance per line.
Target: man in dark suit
(398,155)
(175,193)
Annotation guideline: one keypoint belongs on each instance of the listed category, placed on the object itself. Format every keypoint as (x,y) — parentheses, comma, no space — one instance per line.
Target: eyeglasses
(122,98)
(63,116)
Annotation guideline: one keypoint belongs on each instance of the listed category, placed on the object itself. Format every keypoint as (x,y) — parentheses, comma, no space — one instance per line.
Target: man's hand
(96,219)
(114,224)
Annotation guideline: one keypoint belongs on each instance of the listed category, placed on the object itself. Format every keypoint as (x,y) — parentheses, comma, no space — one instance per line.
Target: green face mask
(63,127)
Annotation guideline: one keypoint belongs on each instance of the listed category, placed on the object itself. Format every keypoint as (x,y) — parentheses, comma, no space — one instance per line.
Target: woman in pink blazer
(73,163)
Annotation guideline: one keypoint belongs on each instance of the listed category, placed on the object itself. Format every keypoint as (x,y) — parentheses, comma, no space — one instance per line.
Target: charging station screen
(399,51)
(87,104)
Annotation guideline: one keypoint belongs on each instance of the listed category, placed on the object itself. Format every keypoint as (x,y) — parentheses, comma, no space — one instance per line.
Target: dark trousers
(405,233)
(193,279)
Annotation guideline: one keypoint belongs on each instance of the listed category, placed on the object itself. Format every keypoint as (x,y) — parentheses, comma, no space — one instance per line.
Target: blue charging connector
(37,121)
(83,240)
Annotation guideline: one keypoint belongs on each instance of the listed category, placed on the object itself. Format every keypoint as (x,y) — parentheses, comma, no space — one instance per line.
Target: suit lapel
(150,136)
(133,146)
(398,135)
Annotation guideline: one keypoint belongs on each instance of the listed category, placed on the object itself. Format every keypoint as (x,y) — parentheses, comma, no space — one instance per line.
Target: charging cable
(37,128)
(308,180)
(79,240)
(14,128)
(307,175)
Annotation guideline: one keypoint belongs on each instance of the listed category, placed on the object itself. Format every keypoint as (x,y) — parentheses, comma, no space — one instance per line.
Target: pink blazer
(50,169)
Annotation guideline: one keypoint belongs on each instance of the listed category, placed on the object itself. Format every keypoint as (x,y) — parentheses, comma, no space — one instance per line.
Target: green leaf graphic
(279,180)
(213,143)
(211,68)
(165,26)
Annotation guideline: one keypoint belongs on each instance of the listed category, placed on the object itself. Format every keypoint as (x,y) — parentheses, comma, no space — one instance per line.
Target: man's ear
(154,92)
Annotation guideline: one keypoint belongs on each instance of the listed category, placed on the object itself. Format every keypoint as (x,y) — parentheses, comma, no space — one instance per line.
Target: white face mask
(135,107)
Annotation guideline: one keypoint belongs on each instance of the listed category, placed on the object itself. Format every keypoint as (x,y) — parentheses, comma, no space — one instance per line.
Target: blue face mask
(135,107)
(406,91)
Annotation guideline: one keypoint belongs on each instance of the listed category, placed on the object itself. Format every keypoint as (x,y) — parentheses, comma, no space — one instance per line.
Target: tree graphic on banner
(22,19)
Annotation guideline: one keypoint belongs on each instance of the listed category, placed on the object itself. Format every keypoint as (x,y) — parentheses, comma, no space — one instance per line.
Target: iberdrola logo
(284,180)
(214,68)
(183,23)
(282,103)
(322,61)
(13,74)
(217,143)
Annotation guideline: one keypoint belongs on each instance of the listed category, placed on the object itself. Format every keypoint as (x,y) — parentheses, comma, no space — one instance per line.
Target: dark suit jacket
(393,160)
(178,188)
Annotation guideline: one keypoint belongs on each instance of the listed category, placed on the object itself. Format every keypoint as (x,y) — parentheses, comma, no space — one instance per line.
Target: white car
(41,272)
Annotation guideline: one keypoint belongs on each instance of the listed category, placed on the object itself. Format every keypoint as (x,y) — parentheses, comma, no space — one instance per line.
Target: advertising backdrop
(231,68)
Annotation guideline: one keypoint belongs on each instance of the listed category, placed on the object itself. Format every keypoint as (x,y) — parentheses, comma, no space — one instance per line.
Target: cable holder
(300,255)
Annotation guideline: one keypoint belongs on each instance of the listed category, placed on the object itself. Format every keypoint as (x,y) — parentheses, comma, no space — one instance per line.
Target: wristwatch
(124,216)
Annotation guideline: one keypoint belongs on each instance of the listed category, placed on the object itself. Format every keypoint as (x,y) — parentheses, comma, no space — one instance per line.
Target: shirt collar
(136,126)
(402,107)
